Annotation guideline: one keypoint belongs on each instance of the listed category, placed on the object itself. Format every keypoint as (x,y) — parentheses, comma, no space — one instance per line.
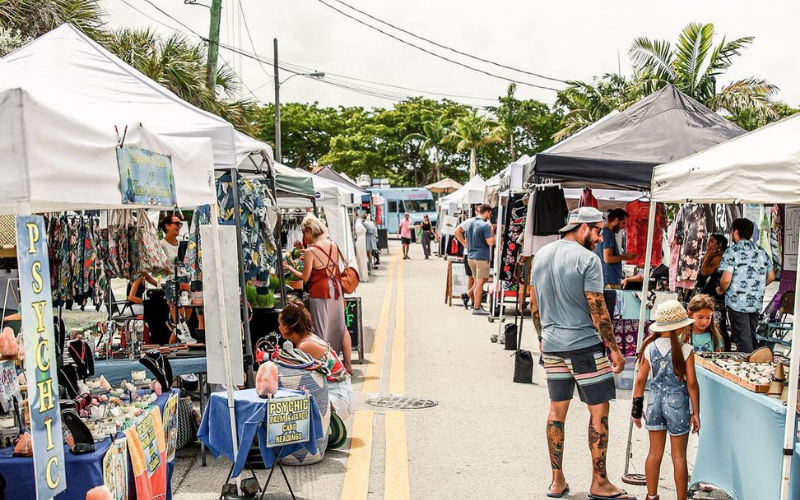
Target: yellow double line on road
(396,481)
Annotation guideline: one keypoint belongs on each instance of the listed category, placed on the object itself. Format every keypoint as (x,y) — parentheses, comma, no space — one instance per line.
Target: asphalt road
(484,439)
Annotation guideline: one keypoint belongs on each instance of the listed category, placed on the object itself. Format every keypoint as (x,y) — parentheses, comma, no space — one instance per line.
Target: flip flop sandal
(557,495)
(622,495)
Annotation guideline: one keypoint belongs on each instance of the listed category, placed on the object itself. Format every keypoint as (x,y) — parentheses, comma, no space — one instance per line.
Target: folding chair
(774,332)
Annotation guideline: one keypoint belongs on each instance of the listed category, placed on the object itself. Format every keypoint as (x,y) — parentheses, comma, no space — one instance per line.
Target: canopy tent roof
(331,174)
(471,192)
(291,182)
(762,167)
(106,92)
(446,185)
(52,159)
(622,149)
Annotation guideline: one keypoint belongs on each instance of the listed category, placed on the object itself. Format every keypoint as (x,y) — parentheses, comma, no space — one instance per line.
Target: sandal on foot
(622,495)
(557,495)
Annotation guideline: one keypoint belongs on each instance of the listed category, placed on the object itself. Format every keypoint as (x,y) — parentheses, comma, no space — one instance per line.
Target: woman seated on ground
(294,323)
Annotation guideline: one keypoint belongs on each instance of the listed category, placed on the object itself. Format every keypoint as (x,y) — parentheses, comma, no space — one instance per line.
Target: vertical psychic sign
(36,308)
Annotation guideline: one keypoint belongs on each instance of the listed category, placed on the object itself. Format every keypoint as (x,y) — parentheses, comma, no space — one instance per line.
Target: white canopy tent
(106,92)
(52,159)
(469,193)
(761,167)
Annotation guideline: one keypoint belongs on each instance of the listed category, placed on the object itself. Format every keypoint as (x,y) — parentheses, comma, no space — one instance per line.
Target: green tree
(750,120)
(587,102)
(180,66)
(33,18)
(527,126)
(472,133)
(694,65)
(10,40)
(431,138)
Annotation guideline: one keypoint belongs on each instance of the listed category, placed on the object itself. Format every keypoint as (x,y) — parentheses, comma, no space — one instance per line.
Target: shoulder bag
(348,279)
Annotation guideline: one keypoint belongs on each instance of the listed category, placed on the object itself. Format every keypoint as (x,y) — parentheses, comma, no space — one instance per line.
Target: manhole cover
(401,403)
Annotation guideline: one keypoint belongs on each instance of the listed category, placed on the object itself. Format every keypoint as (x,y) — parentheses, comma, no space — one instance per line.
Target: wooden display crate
(710,366)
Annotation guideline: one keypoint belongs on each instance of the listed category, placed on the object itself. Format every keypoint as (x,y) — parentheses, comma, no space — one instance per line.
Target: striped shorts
(588,367)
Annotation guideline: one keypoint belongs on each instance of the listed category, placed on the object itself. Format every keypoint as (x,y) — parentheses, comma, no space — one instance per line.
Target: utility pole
(277,103)
(213,44)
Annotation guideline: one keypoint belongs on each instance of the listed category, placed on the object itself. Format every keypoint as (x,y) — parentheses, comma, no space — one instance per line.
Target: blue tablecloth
(251,412)
(84,472)
(120,369)
(740,447)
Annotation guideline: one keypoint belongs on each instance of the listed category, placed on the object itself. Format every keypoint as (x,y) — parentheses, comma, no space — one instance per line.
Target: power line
(450,48)
(151,17)
(252,44)
(364,90)
(406,42)
(171,17)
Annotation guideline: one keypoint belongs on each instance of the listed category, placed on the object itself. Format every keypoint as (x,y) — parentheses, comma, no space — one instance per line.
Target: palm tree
(180,65)
(473,132)
(587,102)
(33,18)
(693,67)
(431,138)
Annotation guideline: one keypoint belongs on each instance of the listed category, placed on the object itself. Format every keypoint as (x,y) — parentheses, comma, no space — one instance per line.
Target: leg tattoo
(555,442)
(598,443)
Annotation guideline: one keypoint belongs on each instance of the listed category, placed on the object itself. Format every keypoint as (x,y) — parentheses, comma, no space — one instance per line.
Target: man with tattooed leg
(575,330)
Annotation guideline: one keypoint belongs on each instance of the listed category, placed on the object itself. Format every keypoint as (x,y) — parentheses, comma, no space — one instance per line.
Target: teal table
(740,448)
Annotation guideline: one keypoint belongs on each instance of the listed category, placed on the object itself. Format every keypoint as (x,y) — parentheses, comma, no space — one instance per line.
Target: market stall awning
(292,183)
(762,167)
(623,149)
(106,92)
(52,159)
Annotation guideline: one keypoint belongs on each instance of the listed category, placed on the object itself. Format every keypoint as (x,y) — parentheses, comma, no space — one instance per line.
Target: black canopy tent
(622,149)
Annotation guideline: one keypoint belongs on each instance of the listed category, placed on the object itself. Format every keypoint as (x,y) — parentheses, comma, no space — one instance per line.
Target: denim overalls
(668,403)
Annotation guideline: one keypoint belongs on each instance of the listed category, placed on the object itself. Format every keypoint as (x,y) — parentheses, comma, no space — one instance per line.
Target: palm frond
(653,56)
(749,95)
(691,51)
(721,57)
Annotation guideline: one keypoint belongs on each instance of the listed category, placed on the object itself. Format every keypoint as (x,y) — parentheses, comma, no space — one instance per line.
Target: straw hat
(670,315)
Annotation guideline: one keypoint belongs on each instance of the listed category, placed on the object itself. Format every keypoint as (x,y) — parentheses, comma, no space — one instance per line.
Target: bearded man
(575,330)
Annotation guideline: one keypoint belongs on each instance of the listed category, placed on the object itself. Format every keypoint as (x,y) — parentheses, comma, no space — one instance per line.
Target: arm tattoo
(537,323)
(601,319)
(555,442)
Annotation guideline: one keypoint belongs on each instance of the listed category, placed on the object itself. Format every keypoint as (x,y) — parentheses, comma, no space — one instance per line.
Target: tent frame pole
(791,403)
(237,218)
(651,219)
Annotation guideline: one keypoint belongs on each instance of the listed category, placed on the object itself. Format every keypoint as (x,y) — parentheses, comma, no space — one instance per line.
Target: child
(704,334)
(673,394)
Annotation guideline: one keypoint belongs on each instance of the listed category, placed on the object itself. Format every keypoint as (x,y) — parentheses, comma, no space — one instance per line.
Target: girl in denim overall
(674,401)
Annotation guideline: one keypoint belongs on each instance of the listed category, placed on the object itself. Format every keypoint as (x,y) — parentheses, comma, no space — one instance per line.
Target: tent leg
(651,219)
(791,404)
(237,218)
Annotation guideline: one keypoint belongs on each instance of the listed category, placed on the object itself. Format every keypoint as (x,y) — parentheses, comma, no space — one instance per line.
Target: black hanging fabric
(513,230)
(550,210)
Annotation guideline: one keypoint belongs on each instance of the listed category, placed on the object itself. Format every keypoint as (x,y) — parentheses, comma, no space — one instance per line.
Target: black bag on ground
(523,367)
(511,337)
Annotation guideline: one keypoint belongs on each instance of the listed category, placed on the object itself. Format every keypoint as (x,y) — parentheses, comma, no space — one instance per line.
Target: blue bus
(397,201)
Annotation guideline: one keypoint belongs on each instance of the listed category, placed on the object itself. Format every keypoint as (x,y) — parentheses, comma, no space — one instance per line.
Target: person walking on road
(477,236)
(427,235)
(574,328)
(404,230)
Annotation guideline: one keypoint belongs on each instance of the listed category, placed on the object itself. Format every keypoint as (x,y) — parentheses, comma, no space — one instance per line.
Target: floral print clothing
(749,265)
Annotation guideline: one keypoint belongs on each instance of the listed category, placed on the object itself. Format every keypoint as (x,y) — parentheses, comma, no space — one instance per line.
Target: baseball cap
(582,215)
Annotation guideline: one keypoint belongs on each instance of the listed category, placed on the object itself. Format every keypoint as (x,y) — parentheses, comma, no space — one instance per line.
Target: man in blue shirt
(608,250)
(477,236)
(746,272)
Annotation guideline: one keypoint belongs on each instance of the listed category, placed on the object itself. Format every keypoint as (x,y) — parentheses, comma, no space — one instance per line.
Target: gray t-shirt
(562,272)
(476,232)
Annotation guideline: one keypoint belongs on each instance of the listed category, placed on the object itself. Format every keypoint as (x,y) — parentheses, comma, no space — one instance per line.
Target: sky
(568,39)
